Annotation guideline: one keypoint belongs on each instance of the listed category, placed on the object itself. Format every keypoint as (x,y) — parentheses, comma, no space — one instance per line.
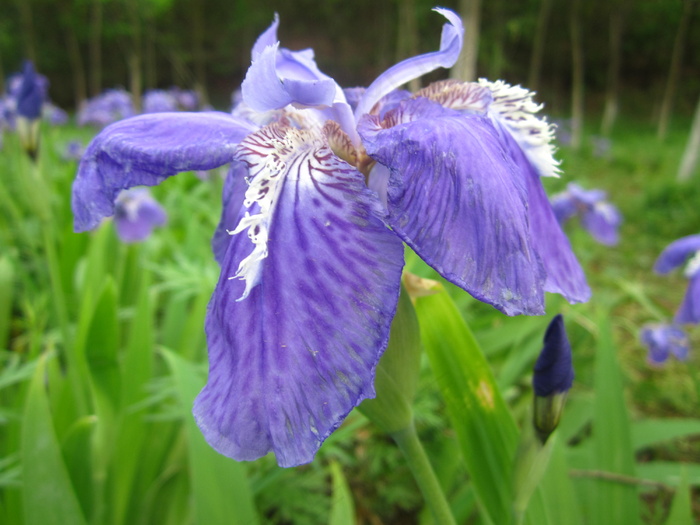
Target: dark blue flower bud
(554,375)
(554,372)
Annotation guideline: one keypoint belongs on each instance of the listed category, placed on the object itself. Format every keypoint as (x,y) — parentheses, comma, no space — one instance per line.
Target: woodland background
(593,57)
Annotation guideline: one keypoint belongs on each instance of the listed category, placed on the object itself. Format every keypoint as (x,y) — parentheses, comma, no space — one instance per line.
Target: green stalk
(417,459)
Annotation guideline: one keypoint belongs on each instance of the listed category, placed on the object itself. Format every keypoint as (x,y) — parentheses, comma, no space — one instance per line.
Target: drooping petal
(662,340)
(456,198)
(290,360)
(677,253)
(564,206)
(414,67)
(564,273)
(144,151)
(689,310)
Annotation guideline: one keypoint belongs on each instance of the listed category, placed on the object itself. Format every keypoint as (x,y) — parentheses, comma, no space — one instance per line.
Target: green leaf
(49,497)
(7,285)
(669,472)
(682,507)
(342,505)
(612,447)
(653,431)
(220,490)
(484,426)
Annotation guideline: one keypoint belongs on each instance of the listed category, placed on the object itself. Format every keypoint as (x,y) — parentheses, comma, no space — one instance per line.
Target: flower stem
(413,451)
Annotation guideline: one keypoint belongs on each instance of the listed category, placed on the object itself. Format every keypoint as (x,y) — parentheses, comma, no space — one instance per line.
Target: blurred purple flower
(30,93)
(599,217)
(685,250)
(664,340)
(327,191)
(187,100)
(106,108)
(159,101)
(55,115)
(136,214)
(74,150)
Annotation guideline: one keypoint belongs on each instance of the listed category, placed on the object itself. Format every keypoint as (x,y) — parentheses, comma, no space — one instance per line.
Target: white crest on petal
(693,265)
(267,154)
(514,108)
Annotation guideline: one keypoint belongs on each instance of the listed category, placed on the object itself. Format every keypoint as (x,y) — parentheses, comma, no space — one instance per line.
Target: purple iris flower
(136,214)
(685,250)
(74,150)
(106,108)
(664,340)
(598,216)
(158,100)
(320,195)
(31,92)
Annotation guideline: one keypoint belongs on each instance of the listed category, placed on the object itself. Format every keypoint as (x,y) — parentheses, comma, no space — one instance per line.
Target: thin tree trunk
(27,24)
(577,76)
(465,68)
(407,36)
(76,62)
(136,54)
(533,82)
(692,149)
(95,47)
(612,91)
(674,71)
(200,71)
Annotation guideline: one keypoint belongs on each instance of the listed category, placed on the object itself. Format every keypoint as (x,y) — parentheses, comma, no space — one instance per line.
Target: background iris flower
(598,216)
(326,188)
(136,214)
(685,250)
(664,340)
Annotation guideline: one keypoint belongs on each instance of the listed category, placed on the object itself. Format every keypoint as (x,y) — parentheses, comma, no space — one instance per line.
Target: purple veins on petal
(289,361)
(689,310)
(663,340)
(136,214)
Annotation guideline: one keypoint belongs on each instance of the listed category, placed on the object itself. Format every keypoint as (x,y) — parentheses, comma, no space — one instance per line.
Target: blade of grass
(613,503)
(342,505)
(220,489)
(682,507)
(52,499)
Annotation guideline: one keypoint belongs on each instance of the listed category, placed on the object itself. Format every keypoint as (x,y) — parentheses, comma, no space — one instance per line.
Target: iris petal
(144,151)
(289,362)
(232,209)
(689,310)
(676,253)
(454,196)
(414,67)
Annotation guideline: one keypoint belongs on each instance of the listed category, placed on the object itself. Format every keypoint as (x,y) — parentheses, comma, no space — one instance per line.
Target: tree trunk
(612,91)
(690,156)
(577,80)
(407,37)
(95,48)
(135,54)
(27,25)
(76,63)
(674,70)
(465,68)
(200,71)
(533,81)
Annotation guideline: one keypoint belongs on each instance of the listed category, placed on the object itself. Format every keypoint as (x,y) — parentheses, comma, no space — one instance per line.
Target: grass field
(103,351)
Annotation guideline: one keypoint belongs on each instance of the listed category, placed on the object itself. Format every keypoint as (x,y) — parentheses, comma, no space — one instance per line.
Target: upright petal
(677,253)
(455,197)
(414,67)
(144,151)
(292,358)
